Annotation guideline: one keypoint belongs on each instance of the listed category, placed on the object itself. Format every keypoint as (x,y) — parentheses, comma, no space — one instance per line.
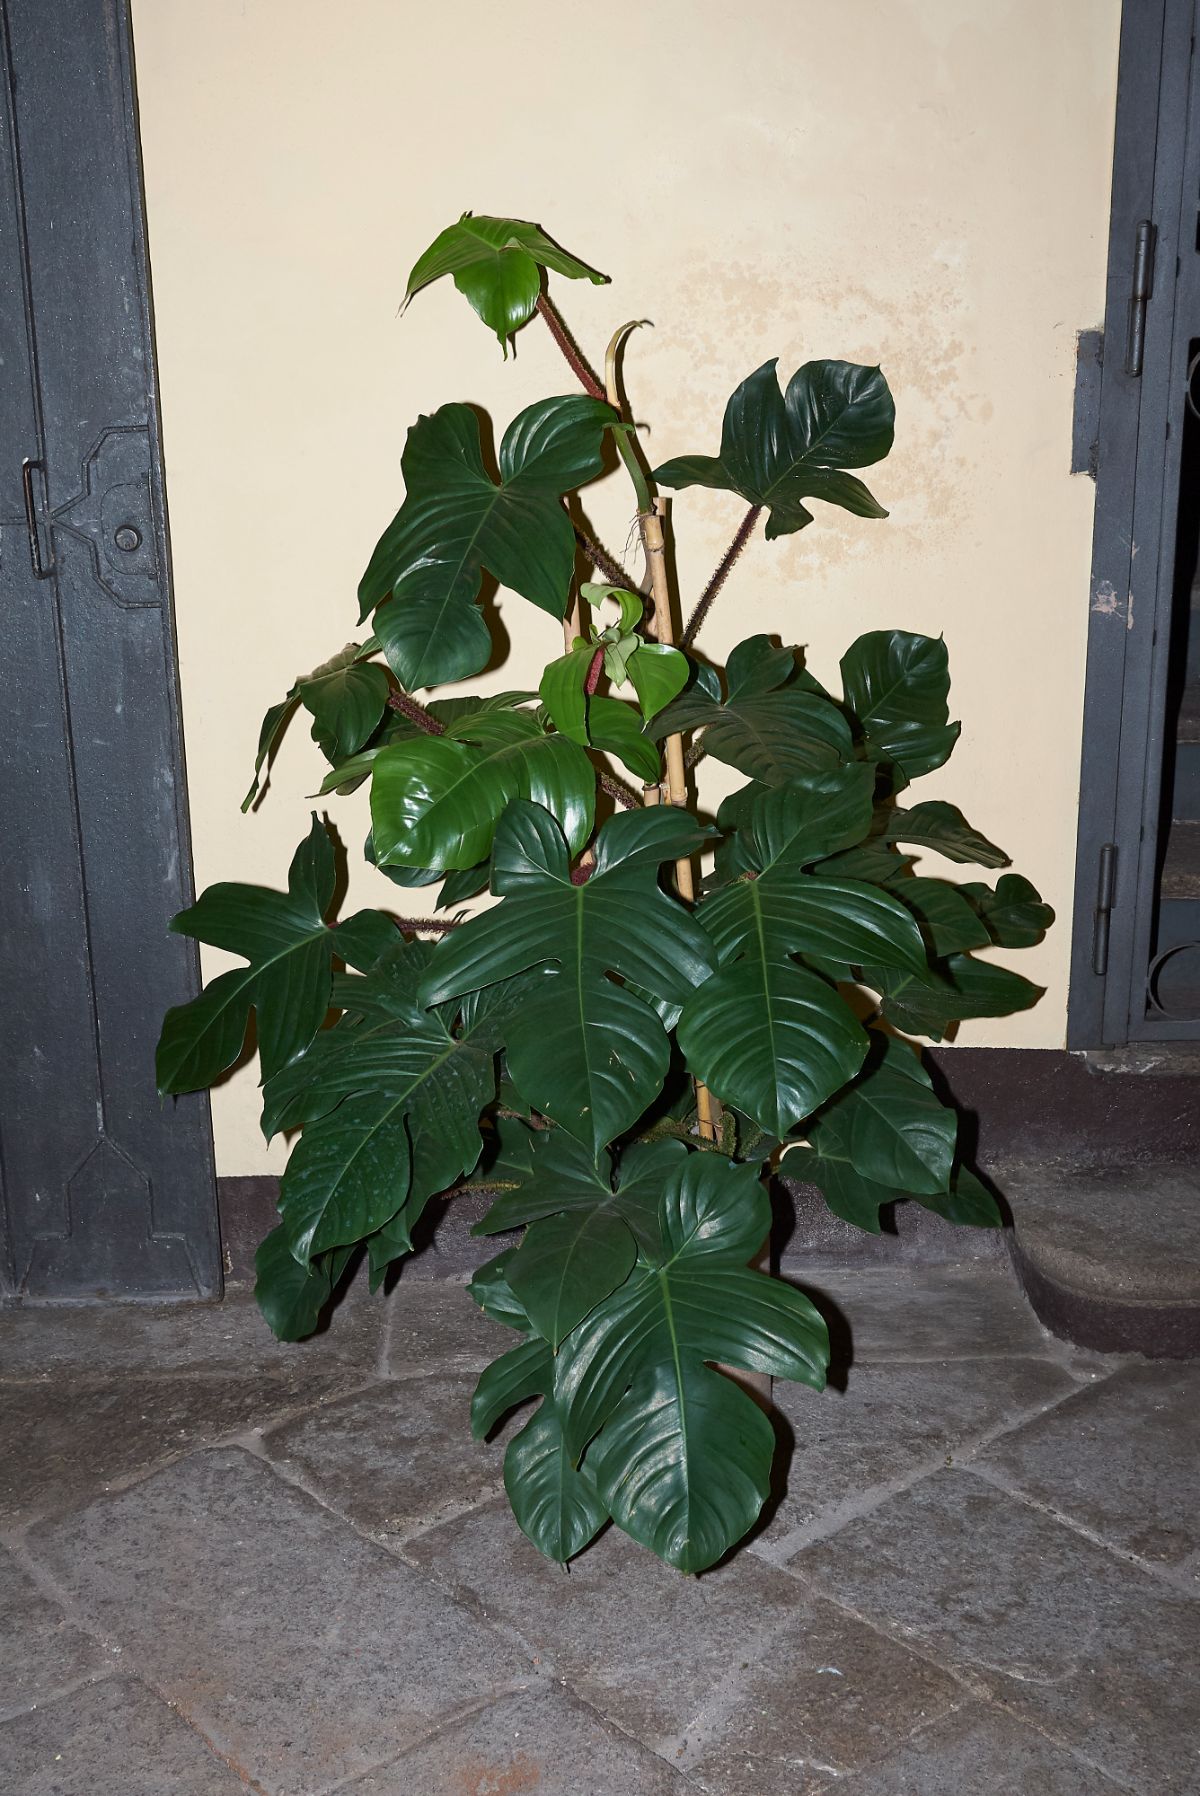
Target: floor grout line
(830,1522)
(999,1480)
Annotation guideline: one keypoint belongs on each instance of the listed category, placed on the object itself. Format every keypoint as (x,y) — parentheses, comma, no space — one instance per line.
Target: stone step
(1181,868)
(1108,1254)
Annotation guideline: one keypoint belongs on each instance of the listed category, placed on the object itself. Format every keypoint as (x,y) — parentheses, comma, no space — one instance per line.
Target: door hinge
(1105,887)
(42,569)
(1140,288)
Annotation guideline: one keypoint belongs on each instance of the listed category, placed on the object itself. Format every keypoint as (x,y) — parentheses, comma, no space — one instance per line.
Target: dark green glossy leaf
(771,1039)
(963,987)
(684,1463)
(892,1129)
(273,726)
(615,728)
(456,522)
(291,1297)
(968,1202)
(779,449)
(810,817)
(897,686)
(582,1050)
(876,861)
(632,1366)
(558,1175)
(284,937)
(490,1289)
(346,697)
(562,691)
(496,264)
(435,802)
(1014,914)
(521,1373)
(948,922)
(556,1504)
(390,1101)
(773,735)
(943,827)
(567,1264)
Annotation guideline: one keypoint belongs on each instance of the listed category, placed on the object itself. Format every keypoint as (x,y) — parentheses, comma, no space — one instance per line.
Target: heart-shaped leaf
(897,686)
(779,449)
(456,522)
(346,697)
(658,673)
(496,264)
(556,1504)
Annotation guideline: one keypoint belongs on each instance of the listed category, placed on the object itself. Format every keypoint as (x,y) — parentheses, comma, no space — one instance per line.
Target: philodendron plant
(620,1056)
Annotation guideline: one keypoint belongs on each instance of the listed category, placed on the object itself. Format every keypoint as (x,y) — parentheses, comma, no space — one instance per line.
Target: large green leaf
(772,1040)
(779,449)
(1014,915)
(567,1264)
(583,1050)
(681,1467)
(615,728)
(436,801)
(390,1102)
(556,1503)
(496,264)
(290,1296)
(273,726)
(289,947)
(893,1130)
(772,727)
(456,522)
(897,686)
(961,987)
(948,921)
(561,1177)
(345,697)
(942,826)
(684,1463)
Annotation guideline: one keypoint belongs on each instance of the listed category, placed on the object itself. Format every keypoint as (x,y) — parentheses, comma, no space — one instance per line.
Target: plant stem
(408,707)
(439,925)
(721,574)
(603,562)
(708,1113)
(562,336)
(616,788)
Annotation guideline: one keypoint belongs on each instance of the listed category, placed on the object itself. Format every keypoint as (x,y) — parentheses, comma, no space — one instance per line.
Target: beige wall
(918,182)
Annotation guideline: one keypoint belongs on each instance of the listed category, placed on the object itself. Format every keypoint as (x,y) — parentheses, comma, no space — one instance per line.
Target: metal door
(1136,938)
(105,1191)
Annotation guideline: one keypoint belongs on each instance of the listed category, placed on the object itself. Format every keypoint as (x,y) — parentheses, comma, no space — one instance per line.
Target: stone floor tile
(830,1694)
(1120,1457)
(541,1744)
(40,1650)
(979,1751)
(918,1312)
(62,1444)
(395,1457)
(48,1340)
(893,1419)
(641,1643)
(303,1651)
(114,1738)
(434,1325)
(1102,1654)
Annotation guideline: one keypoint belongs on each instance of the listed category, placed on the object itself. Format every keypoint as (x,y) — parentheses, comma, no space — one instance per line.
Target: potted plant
(620,1052)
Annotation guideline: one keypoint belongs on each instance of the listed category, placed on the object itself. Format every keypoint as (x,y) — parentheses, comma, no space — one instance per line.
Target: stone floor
(226,1564)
